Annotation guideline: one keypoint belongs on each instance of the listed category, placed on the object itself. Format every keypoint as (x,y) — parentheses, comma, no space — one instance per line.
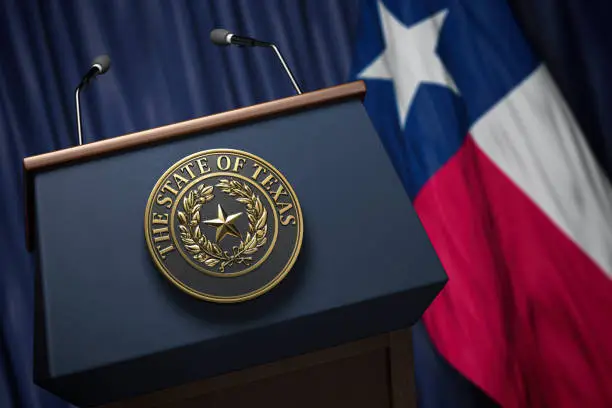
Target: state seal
(223,225)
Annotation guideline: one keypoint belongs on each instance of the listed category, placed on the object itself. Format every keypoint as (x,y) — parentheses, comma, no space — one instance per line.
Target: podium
(323,288)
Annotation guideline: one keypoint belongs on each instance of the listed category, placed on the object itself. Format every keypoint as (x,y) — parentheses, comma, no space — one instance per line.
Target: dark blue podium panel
(110,326)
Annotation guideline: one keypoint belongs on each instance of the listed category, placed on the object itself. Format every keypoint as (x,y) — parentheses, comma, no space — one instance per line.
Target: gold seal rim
(227,299)
(229,274)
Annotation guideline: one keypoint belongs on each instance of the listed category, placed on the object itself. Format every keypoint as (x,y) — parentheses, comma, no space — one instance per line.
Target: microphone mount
(99,66)
(286,67)
(223,37)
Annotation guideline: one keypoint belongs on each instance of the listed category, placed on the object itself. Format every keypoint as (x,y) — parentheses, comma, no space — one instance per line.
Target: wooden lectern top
(307,100)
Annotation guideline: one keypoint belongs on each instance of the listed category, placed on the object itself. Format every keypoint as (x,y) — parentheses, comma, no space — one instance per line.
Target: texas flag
(509,193)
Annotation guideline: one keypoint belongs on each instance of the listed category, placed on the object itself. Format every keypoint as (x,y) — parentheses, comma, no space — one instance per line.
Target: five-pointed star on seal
(409,58)
(224,224)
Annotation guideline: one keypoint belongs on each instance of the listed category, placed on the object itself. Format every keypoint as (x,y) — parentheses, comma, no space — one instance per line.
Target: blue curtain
(164,70)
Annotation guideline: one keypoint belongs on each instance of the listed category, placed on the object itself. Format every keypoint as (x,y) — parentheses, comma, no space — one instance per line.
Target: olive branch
(210,253)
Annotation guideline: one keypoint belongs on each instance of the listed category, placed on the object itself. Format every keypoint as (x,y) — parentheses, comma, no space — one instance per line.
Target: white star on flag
(409,58)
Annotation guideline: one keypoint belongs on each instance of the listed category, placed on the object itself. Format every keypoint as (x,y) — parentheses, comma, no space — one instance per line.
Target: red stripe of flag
(526,313)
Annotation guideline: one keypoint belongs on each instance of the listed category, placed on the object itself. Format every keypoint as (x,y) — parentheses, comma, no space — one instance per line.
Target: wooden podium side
(377,372)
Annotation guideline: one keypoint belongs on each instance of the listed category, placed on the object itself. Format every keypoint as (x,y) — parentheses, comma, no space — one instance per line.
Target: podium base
(376,372)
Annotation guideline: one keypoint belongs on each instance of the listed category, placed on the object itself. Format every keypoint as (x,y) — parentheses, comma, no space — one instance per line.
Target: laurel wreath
(210,253)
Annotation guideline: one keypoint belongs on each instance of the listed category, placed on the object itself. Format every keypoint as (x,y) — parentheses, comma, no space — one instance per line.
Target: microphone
(99,66)
(222,37)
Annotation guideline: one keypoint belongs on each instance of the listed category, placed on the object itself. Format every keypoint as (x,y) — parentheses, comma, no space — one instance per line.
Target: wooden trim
(208,123)
(401,364)
(398,345)
(238,378)
(34,164)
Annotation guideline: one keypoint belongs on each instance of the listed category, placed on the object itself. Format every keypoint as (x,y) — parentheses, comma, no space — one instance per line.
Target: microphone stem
(287,70)
(77,97)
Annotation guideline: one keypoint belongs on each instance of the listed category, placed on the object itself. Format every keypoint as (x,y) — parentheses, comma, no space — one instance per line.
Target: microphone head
(219,36)
(102,62)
